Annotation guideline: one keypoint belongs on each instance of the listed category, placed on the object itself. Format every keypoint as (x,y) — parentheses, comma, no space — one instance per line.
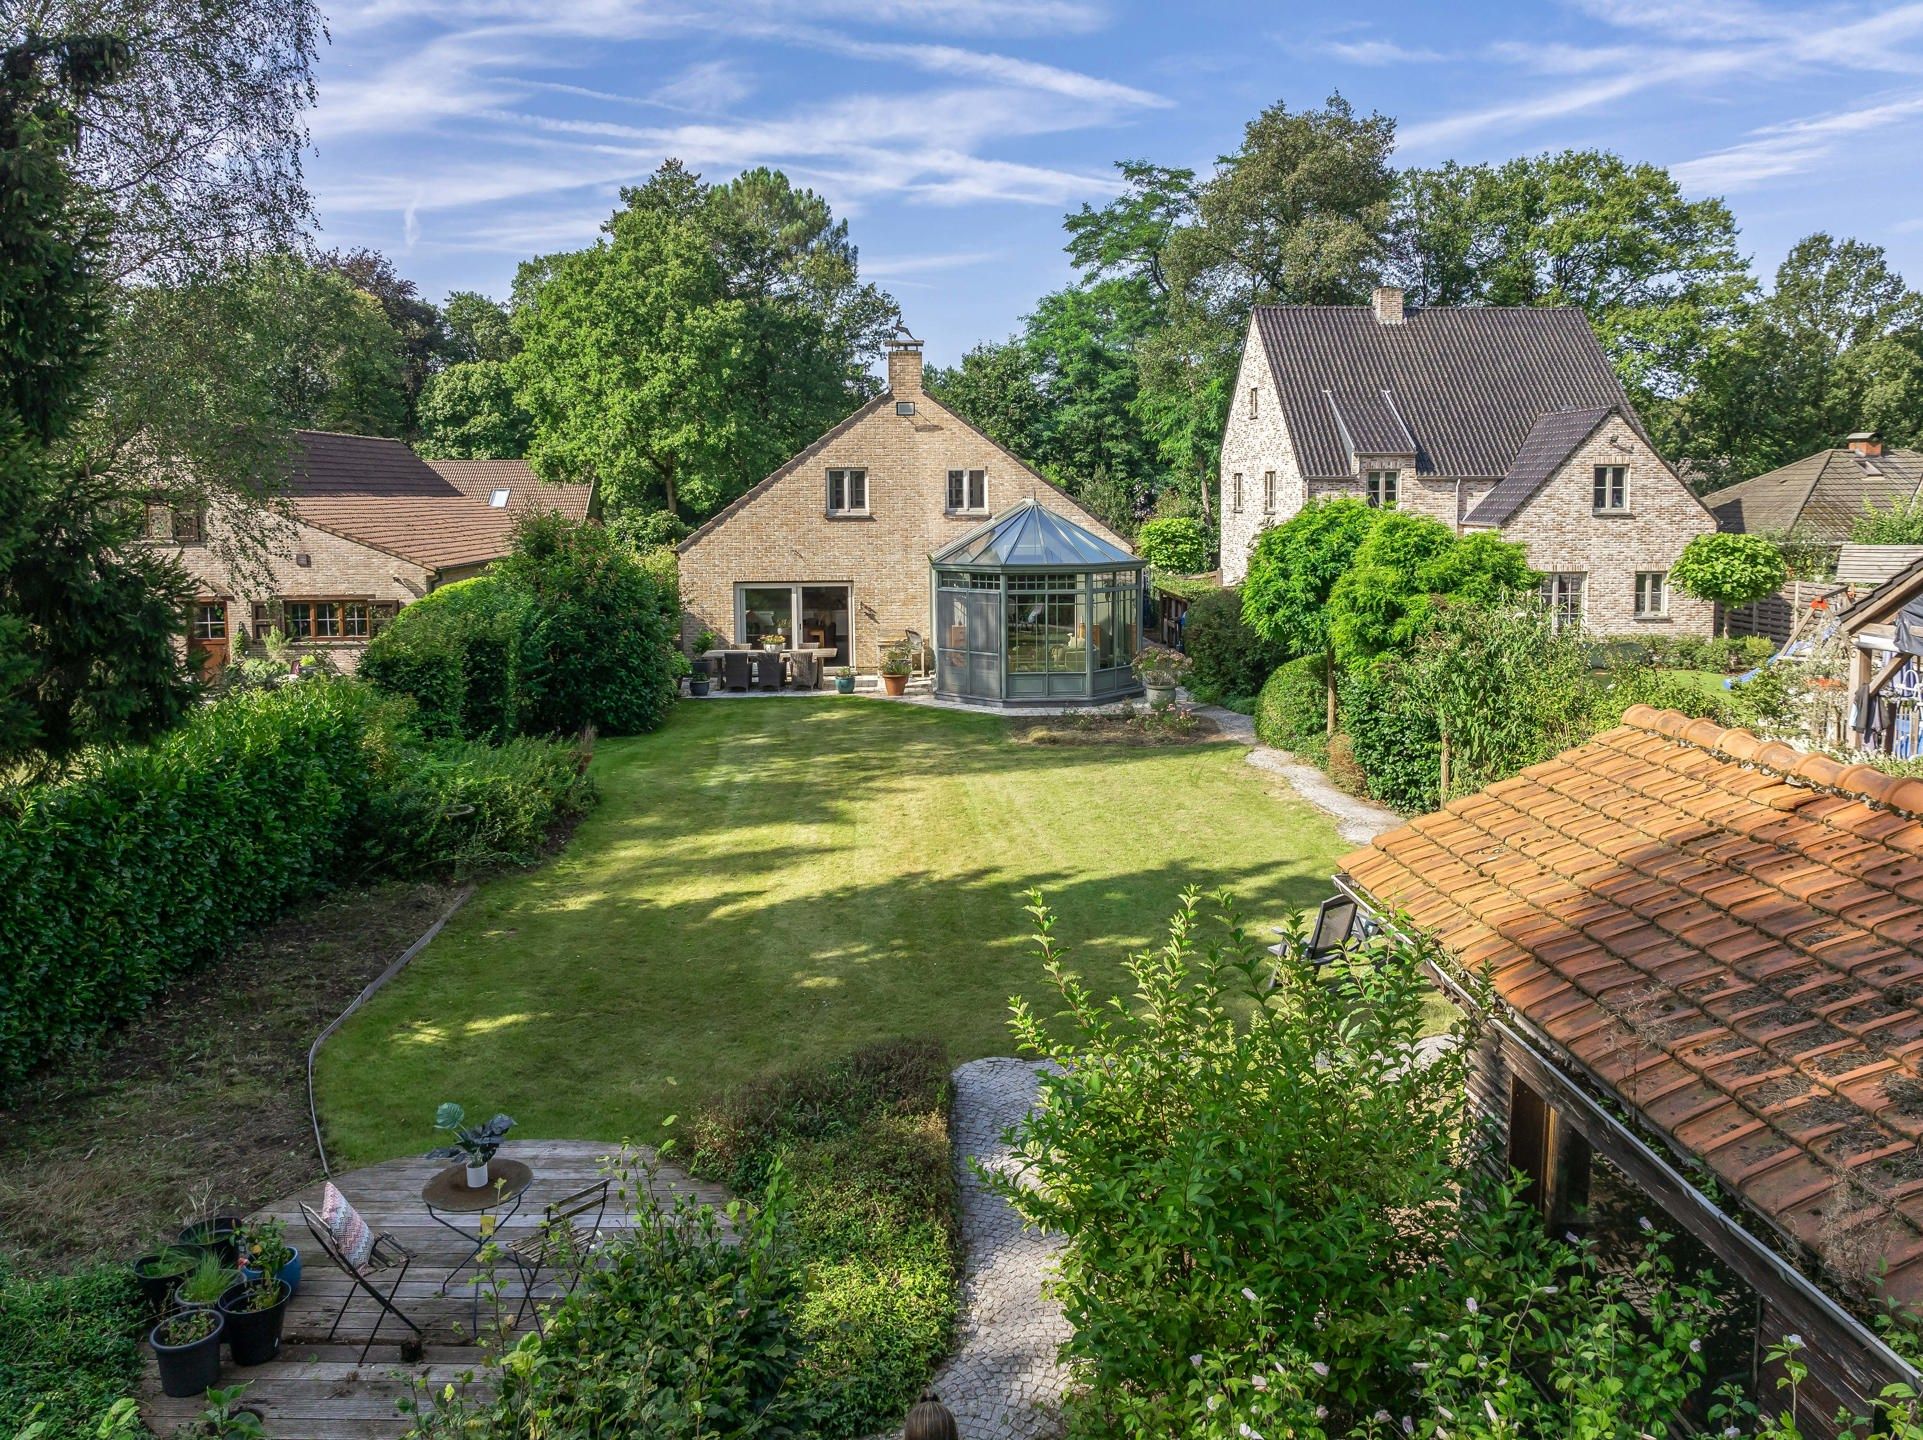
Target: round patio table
(448,1193)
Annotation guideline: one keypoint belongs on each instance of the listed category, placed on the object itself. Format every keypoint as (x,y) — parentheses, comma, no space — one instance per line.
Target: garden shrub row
(863,1145)
(1729,654)
(570,631)
(1230,660)
(155,859)
(69,1350)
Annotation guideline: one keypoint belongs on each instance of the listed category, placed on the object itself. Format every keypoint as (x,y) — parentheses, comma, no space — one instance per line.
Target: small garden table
(448,1194)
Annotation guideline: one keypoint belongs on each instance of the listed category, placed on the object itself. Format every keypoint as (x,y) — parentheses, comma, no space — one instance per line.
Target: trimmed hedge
(1292,711)
(1394,736)
(456,652)
(466,805)
(1177,543)
(116,881)
(874,1210)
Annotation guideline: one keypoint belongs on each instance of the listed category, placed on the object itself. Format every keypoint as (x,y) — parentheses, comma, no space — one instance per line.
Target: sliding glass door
(813,615)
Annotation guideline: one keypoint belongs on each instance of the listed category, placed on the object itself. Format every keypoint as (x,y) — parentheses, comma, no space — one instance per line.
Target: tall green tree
(1657,274)
(478,328)
(469,412)
(327,357)
(1404,568)
(1837,346)
(88,619)
(1294,568)
(709,335)
(417,324)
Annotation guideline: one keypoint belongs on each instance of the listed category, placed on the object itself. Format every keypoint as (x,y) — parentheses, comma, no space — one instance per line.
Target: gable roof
(1722,934)
(1028,534)
(379,493)
(1467,383)
(1823,492)
(1551,440)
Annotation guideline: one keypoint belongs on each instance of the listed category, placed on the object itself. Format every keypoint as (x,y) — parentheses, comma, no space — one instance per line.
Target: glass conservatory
(1033,609)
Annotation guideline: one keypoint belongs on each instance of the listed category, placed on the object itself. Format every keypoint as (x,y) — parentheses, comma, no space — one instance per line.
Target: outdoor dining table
(493,1204)
(763,653)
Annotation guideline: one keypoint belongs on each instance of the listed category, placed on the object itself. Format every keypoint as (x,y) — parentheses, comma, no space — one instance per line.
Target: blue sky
(461,136)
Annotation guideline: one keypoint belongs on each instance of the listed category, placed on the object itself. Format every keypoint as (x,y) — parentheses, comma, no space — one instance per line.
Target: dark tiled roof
(380,493)
(1551,440)
(1823,492)
(1468,383)
(1370,424)
(1726,935)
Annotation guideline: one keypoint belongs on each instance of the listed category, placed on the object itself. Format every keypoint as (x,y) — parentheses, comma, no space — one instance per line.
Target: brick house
(363,527)
(833,548)
(1505,418)
(1820,495)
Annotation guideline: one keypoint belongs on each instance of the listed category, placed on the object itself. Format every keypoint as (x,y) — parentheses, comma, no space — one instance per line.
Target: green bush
(1729,568)
(461,806)
(119,879)
(864,1142)
(1176,543)
(1625,685)
(456,652)
(69,1348)
(1292,711)
(1394,734)
(1230,659)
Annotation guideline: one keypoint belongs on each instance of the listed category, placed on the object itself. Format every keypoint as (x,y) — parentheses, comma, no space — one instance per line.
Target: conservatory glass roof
(1029,536)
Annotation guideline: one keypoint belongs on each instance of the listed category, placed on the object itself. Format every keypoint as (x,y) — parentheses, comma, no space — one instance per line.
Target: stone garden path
(1003,1381)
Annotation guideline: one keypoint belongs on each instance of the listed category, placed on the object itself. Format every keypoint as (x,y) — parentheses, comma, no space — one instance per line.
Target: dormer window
(498,500)
(1380,486)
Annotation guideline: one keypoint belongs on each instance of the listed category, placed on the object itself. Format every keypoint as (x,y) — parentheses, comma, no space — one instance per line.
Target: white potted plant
(773,641)
(1160,671)
(473,1144)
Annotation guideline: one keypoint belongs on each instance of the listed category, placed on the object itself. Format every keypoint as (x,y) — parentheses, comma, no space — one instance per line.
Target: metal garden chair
(387,1254)
(563,1237)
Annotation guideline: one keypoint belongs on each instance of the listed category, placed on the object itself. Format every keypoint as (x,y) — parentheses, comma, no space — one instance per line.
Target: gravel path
(1002,1382)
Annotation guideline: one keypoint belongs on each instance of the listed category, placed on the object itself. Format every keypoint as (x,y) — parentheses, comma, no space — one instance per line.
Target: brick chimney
(904,364)
(1865,442)
(1388,304)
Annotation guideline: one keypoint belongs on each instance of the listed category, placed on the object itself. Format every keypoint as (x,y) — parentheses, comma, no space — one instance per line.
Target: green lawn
(771,880)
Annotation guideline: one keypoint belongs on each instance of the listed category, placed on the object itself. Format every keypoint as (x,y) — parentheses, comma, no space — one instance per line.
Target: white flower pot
(477,1177)
(1161,696)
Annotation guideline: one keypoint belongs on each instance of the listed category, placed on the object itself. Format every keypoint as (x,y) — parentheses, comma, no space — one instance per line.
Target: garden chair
(770,670)
(736,668)
(1335,925)
(377,1256)
(566,1235)
(807,670)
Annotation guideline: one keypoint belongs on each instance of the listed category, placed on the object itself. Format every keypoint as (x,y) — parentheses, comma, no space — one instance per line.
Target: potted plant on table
(187,1351)
(473,1144)
(1160,671)
(845,680)
(160,1270)
(896,661)
(773,642)
(252,1312)
(264,1252)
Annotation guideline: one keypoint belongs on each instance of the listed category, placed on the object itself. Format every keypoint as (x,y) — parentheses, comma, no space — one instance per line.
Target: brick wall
(780,533)
(338,569)
(1252,445)
(1562,531)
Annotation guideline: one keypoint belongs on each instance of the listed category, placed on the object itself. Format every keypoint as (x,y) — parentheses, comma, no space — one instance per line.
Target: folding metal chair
(560,1236)
(387,1254)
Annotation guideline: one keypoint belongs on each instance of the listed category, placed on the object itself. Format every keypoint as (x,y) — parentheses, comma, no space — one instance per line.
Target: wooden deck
(318,1390)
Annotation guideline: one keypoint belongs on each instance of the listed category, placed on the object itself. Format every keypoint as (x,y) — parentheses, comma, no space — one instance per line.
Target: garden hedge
(1231,661)
(1292,711)
(457,653)
(117,880)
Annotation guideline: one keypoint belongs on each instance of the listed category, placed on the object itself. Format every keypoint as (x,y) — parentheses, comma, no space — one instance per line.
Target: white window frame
(1235,494)
(1255,401)
(1609,489)
(843,481)
(1655,584)
(1268,492)
(1382,488)
(967,492)
(1557,588)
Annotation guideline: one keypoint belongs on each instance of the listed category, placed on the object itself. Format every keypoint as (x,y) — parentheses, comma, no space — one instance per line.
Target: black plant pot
(187,1370)
(216,1234)
(157,1290)
(698,685)
(253,1335)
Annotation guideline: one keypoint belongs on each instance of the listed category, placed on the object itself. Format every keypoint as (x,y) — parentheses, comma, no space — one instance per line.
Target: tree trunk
(1444,778)
(1328,683)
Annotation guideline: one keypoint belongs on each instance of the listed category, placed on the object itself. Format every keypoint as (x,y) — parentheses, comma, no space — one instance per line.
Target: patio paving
(317,1390)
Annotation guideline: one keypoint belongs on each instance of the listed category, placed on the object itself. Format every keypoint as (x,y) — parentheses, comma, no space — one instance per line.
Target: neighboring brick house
(833,547)
(365,526)
(1820,496)
(1506,419)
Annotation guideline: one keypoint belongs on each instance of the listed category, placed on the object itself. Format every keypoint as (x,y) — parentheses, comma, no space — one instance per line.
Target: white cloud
(1792,148)
(923,264)
(708,85)
(1377,52)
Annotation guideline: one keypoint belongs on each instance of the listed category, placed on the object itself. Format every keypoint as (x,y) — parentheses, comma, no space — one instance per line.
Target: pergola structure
(1031,608)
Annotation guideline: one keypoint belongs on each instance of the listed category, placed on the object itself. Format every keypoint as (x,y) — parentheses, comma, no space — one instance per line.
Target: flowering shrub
(1276,1227)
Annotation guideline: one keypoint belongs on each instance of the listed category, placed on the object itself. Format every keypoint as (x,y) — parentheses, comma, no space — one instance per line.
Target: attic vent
(498,500)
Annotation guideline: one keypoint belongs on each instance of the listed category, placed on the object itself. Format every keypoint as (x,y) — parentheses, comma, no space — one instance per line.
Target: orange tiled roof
(436,513)
(1726,934)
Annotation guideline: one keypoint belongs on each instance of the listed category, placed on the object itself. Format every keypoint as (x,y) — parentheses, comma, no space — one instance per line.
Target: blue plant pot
(290,1273)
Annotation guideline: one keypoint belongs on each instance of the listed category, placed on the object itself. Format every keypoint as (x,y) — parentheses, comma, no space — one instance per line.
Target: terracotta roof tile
(1727,934)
